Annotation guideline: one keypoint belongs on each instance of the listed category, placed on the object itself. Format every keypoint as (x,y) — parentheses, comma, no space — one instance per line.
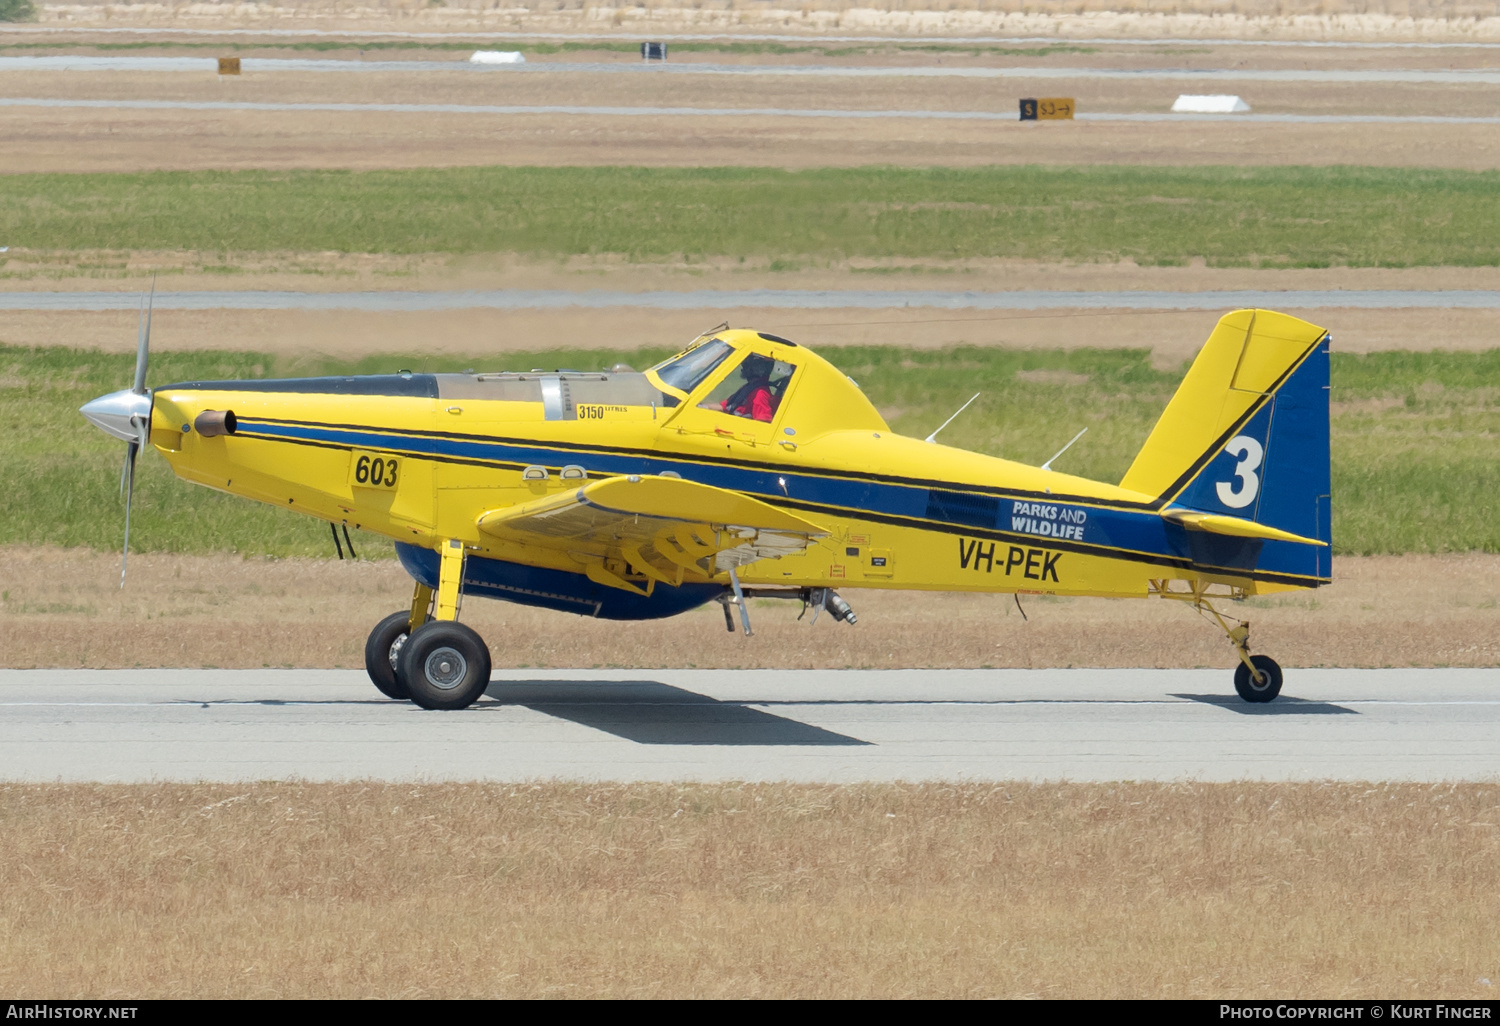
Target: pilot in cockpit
(753,399)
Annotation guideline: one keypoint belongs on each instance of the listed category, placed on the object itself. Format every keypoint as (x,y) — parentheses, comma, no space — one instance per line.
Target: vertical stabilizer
(1246,435)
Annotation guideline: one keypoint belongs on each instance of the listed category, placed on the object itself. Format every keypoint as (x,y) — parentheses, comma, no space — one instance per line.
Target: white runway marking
(267,65)
(833,726)
(778,299)
(722,112)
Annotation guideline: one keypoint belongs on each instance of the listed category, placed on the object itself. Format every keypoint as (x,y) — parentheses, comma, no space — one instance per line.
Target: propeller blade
(127,415)
(143,342)
(132,449)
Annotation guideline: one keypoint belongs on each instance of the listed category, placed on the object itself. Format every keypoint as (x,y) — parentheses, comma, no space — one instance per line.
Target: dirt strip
(489,335)
(1381,20)
(93,140)
(64,608)
(443,85)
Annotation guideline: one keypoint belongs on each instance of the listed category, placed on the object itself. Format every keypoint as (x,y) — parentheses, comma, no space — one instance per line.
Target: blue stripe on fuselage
(1016,519)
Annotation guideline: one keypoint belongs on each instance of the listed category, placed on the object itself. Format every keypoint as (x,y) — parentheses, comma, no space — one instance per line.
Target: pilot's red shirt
(756,403)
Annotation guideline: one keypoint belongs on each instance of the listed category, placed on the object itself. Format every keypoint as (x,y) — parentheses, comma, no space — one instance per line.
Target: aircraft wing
(661,527)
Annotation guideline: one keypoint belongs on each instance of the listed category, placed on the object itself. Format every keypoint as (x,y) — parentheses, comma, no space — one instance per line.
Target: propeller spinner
(126,415)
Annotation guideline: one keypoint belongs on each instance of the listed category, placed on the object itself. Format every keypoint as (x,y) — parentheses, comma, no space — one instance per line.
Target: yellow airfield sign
(1055,108)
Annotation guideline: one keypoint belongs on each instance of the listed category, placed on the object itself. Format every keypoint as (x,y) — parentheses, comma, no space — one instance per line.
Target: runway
(275,65)
(764,299)
(513,110)
(814,726)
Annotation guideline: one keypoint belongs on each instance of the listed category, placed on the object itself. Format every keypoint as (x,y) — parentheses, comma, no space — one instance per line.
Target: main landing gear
(1258,677)
(425,654)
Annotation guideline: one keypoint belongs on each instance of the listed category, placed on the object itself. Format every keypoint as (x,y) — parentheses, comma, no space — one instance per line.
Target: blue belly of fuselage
(556,589)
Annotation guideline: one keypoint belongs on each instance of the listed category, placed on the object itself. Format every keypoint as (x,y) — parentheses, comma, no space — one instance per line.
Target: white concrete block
(1209,105)
(498,57)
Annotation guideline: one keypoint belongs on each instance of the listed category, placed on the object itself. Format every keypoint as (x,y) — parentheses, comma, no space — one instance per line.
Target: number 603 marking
(372,470)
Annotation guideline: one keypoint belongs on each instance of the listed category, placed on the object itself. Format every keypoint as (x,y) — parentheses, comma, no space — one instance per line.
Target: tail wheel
(1263,690)
(444,665)
(381,648)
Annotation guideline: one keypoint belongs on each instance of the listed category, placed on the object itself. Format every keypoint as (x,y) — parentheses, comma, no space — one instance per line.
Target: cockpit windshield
(687,371)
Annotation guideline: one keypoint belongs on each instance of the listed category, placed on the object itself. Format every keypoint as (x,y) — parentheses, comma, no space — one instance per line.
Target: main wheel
(1268,687)
(384,642)
(444,665)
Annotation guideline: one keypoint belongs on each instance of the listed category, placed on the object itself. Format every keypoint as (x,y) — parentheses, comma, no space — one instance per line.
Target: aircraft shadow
(651,713)
(1282,706)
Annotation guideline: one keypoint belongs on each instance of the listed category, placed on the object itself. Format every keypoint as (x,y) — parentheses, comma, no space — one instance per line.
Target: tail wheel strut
(1258,677)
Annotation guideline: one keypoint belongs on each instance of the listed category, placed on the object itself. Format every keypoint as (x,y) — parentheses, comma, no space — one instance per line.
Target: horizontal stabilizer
(658,527)
(1233,526)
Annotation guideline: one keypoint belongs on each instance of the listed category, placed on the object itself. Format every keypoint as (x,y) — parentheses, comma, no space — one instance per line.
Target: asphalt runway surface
(719,112)
(780,299)
(710,725)
(270,65)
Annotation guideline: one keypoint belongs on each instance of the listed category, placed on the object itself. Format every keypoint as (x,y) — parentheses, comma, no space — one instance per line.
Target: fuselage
(418,458)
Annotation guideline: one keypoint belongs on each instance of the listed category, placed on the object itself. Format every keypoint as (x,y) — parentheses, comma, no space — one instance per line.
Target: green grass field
(1249,217)
(1414,437)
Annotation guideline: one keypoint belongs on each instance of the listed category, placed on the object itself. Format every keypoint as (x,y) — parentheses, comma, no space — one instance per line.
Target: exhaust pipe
(213,423)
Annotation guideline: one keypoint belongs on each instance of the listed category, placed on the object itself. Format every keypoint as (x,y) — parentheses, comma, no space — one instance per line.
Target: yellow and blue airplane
(749,466)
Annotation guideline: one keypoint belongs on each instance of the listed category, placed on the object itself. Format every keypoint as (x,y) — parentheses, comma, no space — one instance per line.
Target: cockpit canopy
(753,376)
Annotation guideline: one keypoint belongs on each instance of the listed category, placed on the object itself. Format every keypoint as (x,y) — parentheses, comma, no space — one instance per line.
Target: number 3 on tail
(1250,454)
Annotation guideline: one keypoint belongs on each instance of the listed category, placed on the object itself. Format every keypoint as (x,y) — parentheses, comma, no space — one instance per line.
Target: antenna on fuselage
(1048,464)
(721,326)
(933,437)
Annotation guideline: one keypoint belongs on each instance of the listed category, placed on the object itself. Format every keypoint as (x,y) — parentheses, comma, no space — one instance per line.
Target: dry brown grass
(1012,890)
(64,608)
(1204,18)
(115,141)
(523,8)
(122,140)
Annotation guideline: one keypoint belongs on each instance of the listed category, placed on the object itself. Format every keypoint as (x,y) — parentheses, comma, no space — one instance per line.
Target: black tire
(1249,690)
(380,654)
(444,665)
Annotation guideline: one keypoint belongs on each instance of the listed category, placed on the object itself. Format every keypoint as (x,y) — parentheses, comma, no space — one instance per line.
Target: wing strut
(739,600)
